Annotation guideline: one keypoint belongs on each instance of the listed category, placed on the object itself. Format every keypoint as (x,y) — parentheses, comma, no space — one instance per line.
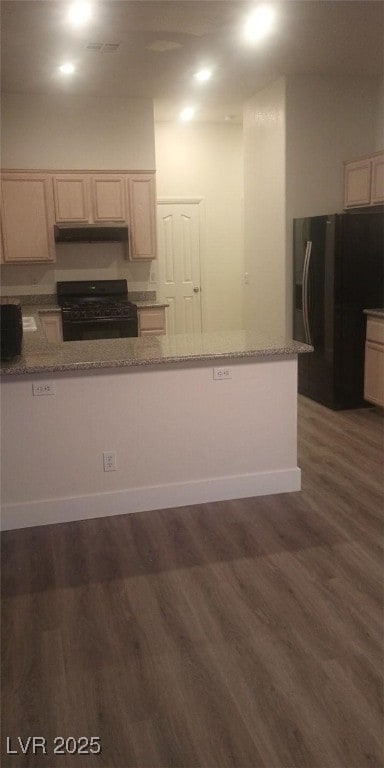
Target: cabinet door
(374,373)
(357,183)
(52,326)
(71,198)
(142,218)
(377,179)
(1,241)
(109,198)
(27,218)
(151,321)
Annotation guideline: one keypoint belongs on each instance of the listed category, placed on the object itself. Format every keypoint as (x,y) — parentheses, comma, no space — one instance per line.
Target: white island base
(181,437)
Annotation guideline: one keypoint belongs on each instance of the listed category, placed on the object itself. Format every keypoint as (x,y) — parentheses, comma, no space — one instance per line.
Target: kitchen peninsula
(191,419)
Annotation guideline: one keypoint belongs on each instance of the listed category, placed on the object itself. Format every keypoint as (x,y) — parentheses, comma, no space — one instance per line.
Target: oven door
(99,328)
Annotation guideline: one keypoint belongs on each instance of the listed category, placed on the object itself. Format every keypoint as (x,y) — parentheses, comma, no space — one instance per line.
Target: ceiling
(311,37)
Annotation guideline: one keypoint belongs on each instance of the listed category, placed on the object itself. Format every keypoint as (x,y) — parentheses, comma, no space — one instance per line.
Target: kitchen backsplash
(85,261)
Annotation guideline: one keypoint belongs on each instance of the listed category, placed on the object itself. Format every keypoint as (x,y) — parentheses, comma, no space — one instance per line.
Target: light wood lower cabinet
(374,361)
(27,218)
(52,326)
(151,321)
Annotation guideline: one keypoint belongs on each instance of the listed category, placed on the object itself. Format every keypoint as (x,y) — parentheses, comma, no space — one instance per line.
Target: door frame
(200,203)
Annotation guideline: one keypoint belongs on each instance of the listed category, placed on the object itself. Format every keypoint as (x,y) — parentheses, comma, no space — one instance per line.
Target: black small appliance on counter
(11,329)
(96,309)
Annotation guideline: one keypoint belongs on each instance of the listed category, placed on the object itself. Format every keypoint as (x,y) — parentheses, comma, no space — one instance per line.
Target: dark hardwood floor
(246,633)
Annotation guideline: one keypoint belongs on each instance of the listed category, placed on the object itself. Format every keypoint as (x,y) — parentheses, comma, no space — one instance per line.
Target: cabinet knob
(196,289)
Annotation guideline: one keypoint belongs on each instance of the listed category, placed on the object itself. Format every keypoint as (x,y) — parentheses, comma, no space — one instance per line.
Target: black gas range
(96,309)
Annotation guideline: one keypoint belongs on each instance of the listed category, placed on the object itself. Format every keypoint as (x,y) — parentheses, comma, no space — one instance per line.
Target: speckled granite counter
(374,312)
(54,307)
(41,356)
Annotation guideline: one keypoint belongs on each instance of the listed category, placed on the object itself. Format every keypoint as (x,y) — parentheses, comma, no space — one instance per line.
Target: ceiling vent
(110,47)
(103,47)
(94,46)
(163,45)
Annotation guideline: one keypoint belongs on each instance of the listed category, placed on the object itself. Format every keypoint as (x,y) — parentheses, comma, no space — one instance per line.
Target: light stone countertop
(45,308)
(151,304)
(40,356)
(374,312)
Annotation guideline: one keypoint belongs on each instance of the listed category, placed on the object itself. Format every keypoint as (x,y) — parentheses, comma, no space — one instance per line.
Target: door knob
(196,289)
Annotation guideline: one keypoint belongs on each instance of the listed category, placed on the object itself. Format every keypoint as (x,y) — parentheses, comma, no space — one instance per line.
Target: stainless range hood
(90,233)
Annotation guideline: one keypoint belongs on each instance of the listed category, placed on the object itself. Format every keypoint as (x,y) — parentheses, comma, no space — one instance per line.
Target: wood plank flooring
(240,634)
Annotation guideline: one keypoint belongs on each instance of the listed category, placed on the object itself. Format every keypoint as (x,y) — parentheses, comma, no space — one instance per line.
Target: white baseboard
(48,511)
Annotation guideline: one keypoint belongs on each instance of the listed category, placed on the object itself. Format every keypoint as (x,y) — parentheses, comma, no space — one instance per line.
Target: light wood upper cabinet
(90,198)
(71,198)
(377,179)
(142,217)
(109,198)
(33,202)
(27,218)
(106,197)
(364,181)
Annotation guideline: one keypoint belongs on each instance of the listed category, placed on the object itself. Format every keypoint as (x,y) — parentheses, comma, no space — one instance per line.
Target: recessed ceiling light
(203,74)
(259,23)
(79,13)
(67,68)
(187,114)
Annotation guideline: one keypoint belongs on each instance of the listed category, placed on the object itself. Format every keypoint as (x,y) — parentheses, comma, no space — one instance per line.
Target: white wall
(80,261)
(264,209)
(83,133)
(205,160)
(76,132)
(297,133)
(180,437)
(328,120)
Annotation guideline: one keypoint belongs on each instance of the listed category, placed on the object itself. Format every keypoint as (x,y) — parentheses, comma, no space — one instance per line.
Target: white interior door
(179,274)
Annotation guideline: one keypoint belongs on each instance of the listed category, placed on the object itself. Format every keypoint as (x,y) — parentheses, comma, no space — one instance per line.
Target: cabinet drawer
(375,330)
(152,332)
(151,321)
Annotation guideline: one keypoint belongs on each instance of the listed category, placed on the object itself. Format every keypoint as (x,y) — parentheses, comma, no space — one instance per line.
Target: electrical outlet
(109,461)
(43,388)
(222,373)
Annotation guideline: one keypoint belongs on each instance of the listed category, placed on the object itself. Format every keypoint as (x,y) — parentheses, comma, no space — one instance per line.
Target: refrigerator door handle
(305,294)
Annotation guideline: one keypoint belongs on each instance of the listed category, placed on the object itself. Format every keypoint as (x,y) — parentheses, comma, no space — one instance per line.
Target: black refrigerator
(338,272)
